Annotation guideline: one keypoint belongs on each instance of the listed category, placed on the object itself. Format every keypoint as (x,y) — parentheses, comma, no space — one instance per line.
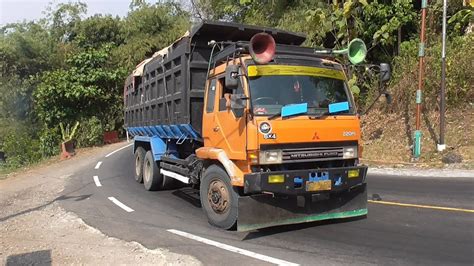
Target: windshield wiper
(327,113)
(274,116)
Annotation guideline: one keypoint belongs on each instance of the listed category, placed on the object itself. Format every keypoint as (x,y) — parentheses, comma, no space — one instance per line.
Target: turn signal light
(272,179)
(253,157)
(353,173)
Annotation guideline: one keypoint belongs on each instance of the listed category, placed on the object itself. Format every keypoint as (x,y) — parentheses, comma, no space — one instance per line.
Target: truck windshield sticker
(338,107)
(279,70)
(294,109)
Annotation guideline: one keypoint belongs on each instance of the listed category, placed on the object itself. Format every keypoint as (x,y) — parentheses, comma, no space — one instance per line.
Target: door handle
(216,129)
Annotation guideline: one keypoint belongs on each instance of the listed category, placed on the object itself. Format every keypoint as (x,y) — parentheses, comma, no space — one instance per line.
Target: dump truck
(265,128)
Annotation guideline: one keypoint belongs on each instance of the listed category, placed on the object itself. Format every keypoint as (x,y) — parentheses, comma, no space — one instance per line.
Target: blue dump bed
(164,96)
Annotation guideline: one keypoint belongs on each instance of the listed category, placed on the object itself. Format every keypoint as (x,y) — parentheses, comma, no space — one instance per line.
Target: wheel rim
(218,196)
(147,171)
(138,164)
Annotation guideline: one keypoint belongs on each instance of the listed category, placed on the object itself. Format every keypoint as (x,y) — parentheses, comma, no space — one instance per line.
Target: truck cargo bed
(167,90)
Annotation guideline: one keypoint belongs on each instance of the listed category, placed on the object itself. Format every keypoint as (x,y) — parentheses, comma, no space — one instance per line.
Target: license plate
(318,185)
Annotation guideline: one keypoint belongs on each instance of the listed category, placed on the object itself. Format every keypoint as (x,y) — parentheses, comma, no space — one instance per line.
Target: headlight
(349,152)
(270,157)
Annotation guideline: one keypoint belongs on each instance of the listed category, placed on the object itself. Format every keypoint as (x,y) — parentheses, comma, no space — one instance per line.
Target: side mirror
(232,77)
(385,72)
(238,104)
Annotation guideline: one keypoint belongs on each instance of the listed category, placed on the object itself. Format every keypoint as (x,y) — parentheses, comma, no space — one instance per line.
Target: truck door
(230,131)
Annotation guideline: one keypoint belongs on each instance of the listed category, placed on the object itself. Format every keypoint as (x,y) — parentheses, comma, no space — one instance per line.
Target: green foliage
(21,148)
(147,29)
(63,18)
(459,21)
(88,87)
(67,132)
(65,68)
(90,132)
(459,78)
(49,140)
(95,31)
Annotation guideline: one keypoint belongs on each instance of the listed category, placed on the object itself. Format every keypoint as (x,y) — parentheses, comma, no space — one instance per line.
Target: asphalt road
(390,235)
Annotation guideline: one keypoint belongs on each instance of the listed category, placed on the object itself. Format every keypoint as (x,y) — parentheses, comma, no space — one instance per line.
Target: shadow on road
(62,197)
(41,257)
(264,232)
(190,195)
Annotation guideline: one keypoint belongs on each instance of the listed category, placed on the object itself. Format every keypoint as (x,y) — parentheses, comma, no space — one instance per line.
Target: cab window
(211,95)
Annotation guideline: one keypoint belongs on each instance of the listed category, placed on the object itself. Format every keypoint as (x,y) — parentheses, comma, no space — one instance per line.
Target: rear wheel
(218,198)
(152,179)
(139,158)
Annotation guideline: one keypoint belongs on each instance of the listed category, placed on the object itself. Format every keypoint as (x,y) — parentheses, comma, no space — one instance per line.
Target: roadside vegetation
(68,68)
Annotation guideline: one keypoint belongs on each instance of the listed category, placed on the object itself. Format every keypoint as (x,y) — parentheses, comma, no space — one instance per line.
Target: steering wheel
(269,100)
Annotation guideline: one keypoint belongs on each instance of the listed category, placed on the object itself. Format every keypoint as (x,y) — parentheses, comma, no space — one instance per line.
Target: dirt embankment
(388,139)
(34,229)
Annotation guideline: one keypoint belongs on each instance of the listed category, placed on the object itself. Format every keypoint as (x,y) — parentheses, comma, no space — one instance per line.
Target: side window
(211,95)
(223,91)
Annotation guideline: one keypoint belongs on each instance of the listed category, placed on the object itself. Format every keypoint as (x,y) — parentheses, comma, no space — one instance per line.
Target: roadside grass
(7,170)
(388,138)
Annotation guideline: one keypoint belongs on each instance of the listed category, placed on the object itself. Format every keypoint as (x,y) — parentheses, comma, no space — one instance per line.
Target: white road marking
(232,248)
(97,166)
(97,181)
(118,150)
(120,204)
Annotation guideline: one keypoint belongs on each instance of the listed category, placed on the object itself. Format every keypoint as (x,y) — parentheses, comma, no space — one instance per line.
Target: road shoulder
(417,172)
(34,229)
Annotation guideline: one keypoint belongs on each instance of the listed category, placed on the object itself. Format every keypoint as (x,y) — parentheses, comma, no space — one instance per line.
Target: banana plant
(68,133)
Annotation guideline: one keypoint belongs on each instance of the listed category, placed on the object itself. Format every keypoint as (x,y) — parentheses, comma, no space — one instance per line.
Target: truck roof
(228,31)
(206,31)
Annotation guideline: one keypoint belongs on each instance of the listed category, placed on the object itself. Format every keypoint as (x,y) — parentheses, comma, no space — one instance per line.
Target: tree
(149,28)
(89,87)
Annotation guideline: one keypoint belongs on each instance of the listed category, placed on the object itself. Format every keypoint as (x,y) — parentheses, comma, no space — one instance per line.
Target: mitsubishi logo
(315,136)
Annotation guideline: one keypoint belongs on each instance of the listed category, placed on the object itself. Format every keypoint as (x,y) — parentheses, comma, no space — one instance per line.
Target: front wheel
(218,198)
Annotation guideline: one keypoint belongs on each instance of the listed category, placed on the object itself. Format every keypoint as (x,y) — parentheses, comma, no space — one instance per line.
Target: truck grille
(310,151)
(312,154)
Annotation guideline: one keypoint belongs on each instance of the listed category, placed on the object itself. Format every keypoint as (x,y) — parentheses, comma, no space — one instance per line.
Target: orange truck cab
(279,137)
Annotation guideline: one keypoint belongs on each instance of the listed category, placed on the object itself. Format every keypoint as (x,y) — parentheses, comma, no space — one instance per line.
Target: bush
(459,78)
(90,132)
(20,149)
(50,139)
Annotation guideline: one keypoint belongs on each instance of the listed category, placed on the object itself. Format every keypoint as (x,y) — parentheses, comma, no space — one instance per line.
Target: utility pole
(421,76)
(442,101)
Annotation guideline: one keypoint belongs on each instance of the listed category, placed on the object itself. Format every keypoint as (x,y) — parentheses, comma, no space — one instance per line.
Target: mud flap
(264,210)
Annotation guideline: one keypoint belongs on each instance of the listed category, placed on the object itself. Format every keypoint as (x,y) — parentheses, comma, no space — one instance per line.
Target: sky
(19,10)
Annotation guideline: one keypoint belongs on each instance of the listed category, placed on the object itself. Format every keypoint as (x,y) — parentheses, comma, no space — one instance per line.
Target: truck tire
(218,198)
(152,179)
(139,158)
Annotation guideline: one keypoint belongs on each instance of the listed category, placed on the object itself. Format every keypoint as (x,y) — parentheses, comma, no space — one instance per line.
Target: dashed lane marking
(120,204)
(97,181)
(420,206)
(232,248)
(97,166)
(117,150)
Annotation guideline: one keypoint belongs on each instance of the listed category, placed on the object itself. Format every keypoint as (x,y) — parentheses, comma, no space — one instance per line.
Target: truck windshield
(270,93)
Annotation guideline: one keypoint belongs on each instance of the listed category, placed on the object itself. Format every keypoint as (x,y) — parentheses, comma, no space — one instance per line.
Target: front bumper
(301,182)
(265,210)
